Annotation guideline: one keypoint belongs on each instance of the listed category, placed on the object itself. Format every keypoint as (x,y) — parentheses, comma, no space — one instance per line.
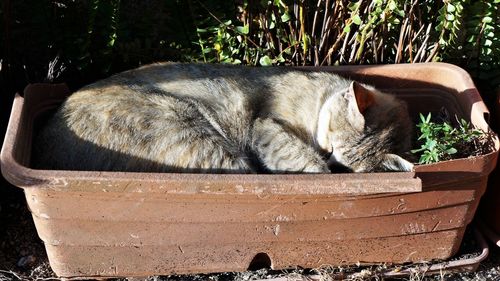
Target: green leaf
(487,20)
(243,29)
(450,8)
(285,17)
(392,5)
(451,151)
(265,61)
(431,144)
(417,150)
(422,118)
(353,5)
(347,28)
(356,20)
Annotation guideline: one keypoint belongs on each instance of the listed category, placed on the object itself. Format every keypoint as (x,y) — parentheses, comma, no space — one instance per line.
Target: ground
(22,254)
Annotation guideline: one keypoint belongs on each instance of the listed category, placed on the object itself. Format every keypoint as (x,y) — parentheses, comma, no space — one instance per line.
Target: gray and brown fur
(173,117)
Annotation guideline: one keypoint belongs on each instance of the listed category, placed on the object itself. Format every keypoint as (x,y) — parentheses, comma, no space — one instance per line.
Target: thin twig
(230,27)
(424,45)
(326,28)
(316,12)
(325,18)
(12,273)
(344,46)
(335,46)
(478,41)
(433,52)
(353,50)
(416,35)
(410,31)
(400,42)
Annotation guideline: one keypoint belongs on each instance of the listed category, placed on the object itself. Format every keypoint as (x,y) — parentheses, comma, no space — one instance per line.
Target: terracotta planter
(138,224)
(490,204)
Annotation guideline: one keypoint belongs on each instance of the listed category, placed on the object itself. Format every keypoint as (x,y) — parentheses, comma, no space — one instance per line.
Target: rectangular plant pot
(138,224)
(489,210)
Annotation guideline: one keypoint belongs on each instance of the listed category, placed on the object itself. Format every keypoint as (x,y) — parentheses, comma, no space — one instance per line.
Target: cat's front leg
(282,151)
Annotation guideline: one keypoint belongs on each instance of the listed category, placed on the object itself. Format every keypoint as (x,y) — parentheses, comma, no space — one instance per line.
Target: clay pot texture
(139,224)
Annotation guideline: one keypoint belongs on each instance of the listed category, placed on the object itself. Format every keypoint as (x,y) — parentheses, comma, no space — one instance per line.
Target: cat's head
(365,130)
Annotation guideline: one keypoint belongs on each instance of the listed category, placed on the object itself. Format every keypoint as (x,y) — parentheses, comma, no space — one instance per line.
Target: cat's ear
(393,162)
(364,96)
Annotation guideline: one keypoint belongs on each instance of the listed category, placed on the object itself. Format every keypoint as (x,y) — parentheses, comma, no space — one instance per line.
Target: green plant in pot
(440,140)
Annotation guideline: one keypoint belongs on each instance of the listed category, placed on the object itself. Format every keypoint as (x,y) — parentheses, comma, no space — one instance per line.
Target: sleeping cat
(172,117)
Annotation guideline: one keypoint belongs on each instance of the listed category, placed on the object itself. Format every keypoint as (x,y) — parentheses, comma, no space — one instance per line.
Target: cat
(176,117)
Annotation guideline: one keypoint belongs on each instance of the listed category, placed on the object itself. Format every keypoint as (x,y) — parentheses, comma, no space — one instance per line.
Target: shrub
(86,40)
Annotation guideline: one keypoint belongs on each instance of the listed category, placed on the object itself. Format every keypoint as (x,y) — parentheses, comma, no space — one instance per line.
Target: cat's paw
(393,162)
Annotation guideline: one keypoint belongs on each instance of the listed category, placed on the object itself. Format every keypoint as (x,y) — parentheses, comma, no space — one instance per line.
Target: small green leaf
(265,61)
(431,144)
(356,20)
(487,20)
(285,17)
(417,150)
(422,118)
(353,5)
(451,151)
(243,29)
(392,5)
(450,8)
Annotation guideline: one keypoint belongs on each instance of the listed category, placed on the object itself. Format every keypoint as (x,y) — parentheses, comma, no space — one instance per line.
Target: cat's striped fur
(172,117)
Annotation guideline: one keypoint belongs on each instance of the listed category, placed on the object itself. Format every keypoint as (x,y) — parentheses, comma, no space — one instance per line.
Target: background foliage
(80,41)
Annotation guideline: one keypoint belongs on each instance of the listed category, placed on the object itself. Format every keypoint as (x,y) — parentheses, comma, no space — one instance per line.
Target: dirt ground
(22,254)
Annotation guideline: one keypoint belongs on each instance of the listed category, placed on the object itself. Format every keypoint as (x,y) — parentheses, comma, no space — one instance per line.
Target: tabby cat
(172,117)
